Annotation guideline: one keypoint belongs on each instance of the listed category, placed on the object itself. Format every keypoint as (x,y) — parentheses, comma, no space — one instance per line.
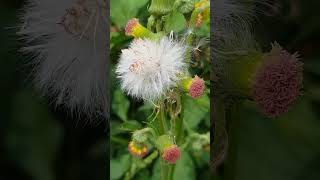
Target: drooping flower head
(137,149)
(147,69)
(66,40)
(277,82)
(171,154)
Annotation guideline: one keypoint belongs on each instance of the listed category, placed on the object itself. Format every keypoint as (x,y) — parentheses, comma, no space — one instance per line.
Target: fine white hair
(232,26)
(66,41)
(147,69)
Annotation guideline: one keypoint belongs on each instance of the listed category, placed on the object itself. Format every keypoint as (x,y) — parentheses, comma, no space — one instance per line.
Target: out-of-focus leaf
(203,30)
(123,10)
(119,166)
(143,175)
(156,170)
(185,168)
(175,22)
(131,125)
(120,105)
(195,110)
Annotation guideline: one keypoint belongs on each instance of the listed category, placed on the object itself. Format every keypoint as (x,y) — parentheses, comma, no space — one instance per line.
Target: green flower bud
(184,6)
(142,135)
(161,7)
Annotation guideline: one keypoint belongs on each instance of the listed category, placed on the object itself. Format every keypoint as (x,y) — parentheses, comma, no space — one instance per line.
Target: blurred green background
(286,148)
(38,141)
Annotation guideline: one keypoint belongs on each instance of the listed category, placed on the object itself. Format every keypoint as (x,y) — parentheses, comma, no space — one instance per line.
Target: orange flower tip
(197,87)
(137,149)
(130,25)
(171,154)
(199,20)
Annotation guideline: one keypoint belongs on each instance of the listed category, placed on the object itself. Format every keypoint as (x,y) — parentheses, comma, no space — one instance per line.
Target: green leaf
(156,175)
(195,110)
(120,105)
(131,125)
(119,166)
(123,10)
(185,168)
(175,22)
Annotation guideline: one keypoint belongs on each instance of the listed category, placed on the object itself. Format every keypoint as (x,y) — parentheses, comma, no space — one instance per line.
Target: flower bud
(194,86)
(141,136)
(200,14)
(277,82)
(184,6)
(161,7)
(200,142)
(273,80)
(137,149)
(170,152)
(135,29)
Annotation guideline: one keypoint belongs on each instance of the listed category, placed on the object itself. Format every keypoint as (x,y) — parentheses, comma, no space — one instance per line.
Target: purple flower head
(277,82)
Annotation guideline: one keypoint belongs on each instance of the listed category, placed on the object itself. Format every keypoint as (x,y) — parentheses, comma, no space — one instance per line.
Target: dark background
(37,140)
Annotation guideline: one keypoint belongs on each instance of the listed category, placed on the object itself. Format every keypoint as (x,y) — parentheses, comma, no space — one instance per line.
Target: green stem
(162,130)
(164,170)
(160,119)
(171,171)
(179,122)
(142,164)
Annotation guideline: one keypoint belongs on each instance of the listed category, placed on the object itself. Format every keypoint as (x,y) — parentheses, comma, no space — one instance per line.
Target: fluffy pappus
(147,69)
(66,40)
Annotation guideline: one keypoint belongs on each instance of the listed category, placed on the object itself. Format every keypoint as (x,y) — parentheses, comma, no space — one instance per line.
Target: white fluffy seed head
(66,40)
(147,69)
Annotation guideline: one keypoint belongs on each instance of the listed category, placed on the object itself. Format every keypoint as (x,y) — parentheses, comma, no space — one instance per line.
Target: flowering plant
(163,77)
